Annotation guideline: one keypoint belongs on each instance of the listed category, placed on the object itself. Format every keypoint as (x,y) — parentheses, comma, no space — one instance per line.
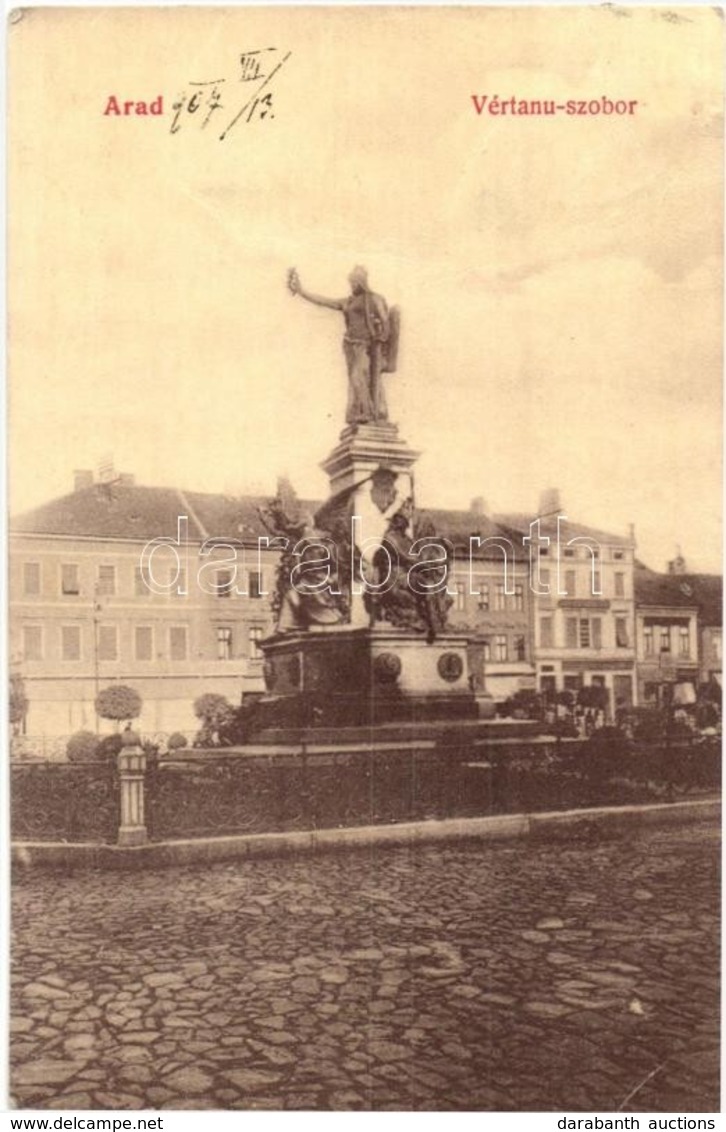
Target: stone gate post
(132,773)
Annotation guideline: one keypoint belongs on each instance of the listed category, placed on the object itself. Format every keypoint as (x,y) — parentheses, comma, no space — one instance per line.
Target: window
(618,555)
(70,585)
(31,579)
(520,648)
(460,597)
(254,583)
(107,642)
(32,642)
(544,577)
(620,585)
(224,642)
(717,646)
(224,582)
(621,633)
(482,598)
(178,642)
(585,632)
(141,582)
(684,641)
(568,552)
(596,582)
(665,639)
(500,600)
(143,642)
(518,597)
(545,632)
(648,640)
(486,650)
(650,691)
(500,646)
(255,636)
(106,580)
(71,642)
(570,583)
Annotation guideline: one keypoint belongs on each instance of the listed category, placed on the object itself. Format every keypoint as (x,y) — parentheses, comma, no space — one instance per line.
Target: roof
(703,592)
(120,511)
(522,523)
(136,512)
(460,526)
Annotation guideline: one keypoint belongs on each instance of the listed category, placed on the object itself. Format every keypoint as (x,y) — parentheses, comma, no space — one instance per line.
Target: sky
(559,278)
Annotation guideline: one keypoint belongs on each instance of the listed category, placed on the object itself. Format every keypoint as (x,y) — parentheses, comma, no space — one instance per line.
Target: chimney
(106,470)
(631,534)
(677,565)
(549,502)
(478,505)
(82,478)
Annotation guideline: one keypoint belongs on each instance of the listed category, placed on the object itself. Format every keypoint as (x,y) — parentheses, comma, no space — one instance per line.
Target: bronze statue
(317,598)
(422,608)
(370,343)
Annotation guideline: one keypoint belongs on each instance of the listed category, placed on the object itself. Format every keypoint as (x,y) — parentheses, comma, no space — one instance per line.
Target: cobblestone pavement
(506,977)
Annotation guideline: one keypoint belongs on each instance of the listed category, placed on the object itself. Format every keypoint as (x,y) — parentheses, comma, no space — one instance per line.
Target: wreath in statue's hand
(293,281)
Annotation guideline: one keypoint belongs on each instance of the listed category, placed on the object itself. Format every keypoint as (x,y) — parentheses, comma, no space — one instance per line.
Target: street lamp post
(96,610)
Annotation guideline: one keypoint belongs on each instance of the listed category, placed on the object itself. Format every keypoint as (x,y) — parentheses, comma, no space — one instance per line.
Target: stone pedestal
(371,478)
(362,449)
(347,677)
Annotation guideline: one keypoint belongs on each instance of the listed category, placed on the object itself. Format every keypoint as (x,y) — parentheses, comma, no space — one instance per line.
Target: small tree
(216,714)
(18,702)
(118,703)
(593,696)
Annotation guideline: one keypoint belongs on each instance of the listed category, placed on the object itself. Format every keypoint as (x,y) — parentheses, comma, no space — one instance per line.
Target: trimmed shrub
(119,702)
(176,741)
(109,747)
(217,715)
(82,747)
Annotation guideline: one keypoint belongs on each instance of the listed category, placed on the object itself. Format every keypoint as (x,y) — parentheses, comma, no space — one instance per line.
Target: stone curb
(571,825)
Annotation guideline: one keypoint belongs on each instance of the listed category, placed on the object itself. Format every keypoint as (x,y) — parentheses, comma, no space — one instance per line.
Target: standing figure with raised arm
(370,343)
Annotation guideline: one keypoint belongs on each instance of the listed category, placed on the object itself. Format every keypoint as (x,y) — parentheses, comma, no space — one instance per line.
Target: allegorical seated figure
(423,607)
(306,594)
(370,343)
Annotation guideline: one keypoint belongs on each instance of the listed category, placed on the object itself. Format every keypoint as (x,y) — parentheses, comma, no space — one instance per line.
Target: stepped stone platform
(455,732)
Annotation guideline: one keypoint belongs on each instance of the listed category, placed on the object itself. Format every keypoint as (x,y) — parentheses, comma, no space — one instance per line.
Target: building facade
(679,633)
(583,608)
(83,614)
(547,604)
(489,584)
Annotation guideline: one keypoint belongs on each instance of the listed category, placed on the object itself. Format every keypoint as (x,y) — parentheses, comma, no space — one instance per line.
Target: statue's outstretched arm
(293,282)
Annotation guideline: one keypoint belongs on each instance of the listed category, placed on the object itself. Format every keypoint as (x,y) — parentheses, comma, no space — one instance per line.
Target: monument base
(345,677)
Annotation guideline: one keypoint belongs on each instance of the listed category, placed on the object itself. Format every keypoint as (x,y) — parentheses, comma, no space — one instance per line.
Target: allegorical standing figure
(370,343)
